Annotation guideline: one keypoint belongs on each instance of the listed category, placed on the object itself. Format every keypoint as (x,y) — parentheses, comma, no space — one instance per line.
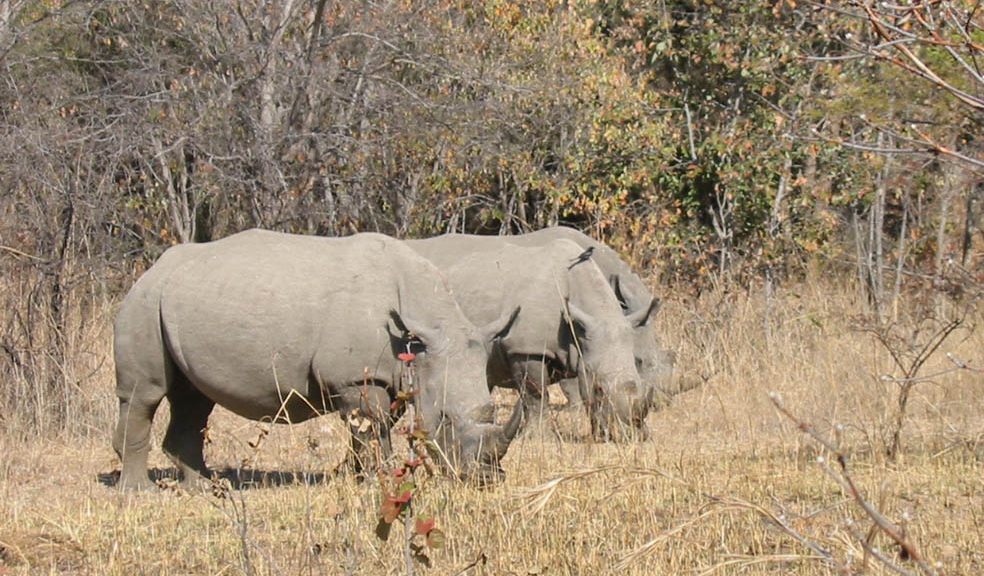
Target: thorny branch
(913,63)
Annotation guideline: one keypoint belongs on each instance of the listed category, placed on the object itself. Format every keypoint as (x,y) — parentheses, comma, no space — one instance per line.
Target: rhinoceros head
(455,405)
(657,365)
(607,372)
(471,446)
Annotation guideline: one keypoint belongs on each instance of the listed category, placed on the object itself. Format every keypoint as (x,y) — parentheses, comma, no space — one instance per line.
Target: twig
(843,477)
(17,252)
(961,364)
(650,546)
(479,560)
(877,554)
(744,561)
(539,496)
(782,525)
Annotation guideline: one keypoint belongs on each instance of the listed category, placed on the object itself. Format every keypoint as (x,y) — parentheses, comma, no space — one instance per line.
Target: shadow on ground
(238,478)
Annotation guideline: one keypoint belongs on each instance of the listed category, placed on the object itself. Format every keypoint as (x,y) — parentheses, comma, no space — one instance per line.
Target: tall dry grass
(726,485)
(55,349)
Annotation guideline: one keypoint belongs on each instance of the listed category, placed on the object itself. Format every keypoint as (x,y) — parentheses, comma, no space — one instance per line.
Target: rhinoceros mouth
(482,465)
(485,476)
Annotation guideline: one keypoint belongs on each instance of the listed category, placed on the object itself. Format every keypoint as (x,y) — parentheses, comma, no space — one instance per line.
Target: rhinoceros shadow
(238,478)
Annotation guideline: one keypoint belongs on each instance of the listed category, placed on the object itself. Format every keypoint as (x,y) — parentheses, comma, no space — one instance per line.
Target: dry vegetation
(704,496)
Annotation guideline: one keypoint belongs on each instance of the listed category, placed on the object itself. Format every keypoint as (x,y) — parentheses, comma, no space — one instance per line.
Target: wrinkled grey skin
(284,328)
(571,324)
(656,364)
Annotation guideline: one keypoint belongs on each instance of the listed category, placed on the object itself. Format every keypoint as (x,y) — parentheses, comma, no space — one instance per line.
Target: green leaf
(435,539)
(405,493)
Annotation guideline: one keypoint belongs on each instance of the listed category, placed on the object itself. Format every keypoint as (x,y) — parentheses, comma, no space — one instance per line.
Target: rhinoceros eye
(415,345)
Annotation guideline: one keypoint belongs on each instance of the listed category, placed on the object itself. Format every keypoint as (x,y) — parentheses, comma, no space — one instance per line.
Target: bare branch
(882,28)
(843,477)
(21,254)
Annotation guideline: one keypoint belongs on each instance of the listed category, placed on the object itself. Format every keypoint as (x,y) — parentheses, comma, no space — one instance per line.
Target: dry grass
(727,485)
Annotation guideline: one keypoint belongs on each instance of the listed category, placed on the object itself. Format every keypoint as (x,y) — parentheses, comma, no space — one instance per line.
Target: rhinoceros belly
(244,342)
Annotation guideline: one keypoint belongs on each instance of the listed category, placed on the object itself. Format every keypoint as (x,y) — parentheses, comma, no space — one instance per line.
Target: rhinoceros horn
(616,284)
(509,431)
(500,327)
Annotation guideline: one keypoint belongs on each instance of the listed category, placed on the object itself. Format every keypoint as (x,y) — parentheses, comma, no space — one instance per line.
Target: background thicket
(710,141)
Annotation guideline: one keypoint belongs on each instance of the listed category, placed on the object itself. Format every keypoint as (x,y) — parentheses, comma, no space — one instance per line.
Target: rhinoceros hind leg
(184,441)
(365,409)
(132,443)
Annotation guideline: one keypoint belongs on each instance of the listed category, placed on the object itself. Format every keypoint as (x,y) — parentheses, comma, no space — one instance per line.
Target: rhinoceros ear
(575,315)
(430,336)
(617,289)
(642,316)
(500,327)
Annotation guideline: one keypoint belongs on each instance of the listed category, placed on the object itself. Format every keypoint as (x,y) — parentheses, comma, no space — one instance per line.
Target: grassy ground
(702,497)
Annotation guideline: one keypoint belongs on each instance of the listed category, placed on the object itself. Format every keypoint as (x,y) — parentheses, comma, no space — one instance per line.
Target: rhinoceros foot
(136,483)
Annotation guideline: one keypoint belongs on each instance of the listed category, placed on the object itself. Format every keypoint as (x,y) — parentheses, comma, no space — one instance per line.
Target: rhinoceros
(571,324)
(283,328)
(656,363)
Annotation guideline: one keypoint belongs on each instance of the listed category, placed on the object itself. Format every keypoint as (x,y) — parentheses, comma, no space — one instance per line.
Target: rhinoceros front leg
(572,391)
(365,410)
(184,441)
(531,377)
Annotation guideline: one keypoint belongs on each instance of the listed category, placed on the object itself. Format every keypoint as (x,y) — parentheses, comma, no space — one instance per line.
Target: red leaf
(403,498)
(407,356)
(389,510)
(423,525)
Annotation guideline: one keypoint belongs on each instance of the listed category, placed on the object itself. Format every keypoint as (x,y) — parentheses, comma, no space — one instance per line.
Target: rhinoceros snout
(627,399)
(620,413)
(629,388)
(484,476)
(486,470)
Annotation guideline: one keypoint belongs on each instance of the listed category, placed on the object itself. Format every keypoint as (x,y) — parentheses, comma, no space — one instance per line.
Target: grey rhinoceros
(283,328)
(656,363)
(571,324)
